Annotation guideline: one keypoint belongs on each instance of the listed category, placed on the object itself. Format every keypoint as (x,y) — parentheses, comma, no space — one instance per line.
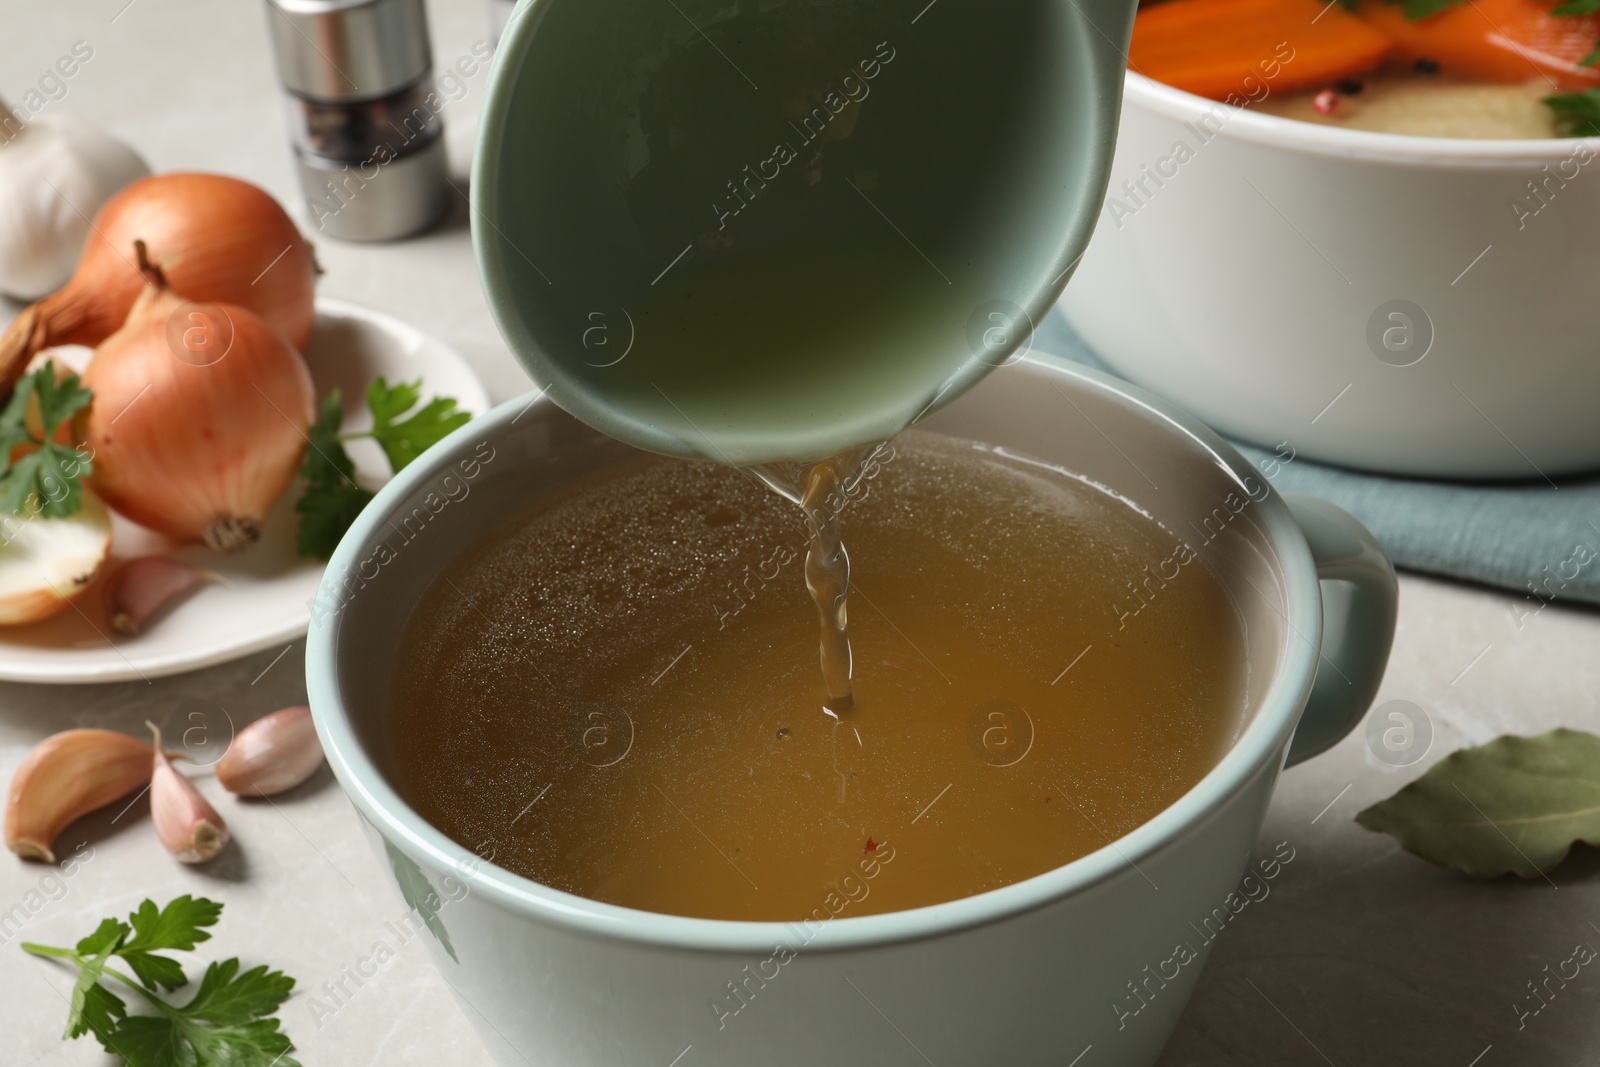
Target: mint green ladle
(766,230)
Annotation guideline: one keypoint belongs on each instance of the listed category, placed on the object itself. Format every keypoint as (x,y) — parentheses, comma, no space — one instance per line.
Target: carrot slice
(1219,48)
(1496,40)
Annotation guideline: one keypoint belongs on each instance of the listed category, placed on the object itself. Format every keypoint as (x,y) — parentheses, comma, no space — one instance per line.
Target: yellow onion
(218,239)
(199,417)
(46,564)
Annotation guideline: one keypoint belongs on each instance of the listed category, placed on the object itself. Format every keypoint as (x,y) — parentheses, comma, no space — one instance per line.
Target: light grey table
(1360,954)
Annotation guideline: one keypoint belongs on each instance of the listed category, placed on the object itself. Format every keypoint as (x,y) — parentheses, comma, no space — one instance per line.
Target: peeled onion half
(46,564)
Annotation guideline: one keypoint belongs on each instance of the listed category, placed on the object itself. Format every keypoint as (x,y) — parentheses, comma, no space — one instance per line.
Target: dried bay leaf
(1515,805)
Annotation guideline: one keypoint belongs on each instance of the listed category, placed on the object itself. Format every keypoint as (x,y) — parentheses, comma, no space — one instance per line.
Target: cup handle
(1357,623)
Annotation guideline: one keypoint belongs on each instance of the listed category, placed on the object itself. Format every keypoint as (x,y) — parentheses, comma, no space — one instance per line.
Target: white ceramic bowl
(1400,304)
(1030,975)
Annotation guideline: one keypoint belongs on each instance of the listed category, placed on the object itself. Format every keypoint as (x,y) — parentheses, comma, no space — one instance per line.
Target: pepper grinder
(364,119)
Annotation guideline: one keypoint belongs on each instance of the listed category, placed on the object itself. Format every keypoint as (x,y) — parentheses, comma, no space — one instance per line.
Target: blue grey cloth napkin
(1536,540)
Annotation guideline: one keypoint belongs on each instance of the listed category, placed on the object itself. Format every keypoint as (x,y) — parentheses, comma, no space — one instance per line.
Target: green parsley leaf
(1576,7)
(58,401)
(224,1023)
(1591,59)
(105,939)
(228,998)
(99,1011)
(403,441)
(13,418)
(94,1008)
(48,480)
(1578,114)
(332,499)
(1417,10)
(229,1022)
(326,460)
(180,925)
(173,1041)
(45,482)
(150,1041)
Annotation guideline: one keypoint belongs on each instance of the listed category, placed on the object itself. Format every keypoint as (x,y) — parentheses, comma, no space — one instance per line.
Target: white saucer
(265,598)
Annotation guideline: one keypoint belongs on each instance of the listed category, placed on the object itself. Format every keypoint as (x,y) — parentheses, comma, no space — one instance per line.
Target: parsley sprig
(227,1023)
(403,440)
(1577,113)
(47,482)
(332,499)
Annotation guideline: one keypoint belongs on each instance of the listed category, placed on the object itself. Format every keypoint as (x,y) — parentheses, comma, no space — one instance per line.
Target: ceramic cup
(903,188)
(1413,305)
(1101,953)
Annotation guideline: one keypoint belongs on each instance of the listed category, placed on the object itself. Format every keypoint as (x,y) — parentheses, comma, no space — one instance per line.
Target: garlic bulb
(55,172)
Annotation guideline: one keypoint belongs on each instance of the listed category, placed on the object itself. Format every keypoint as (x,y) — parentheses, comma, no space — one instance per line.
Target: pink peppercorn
(1326,102)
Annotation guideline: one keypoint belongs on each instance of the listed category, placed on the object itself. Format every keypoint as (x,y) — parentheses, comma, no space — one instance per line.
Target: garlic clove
(45,564)
(188,826)
(272,755)
(66,776)
(140,588)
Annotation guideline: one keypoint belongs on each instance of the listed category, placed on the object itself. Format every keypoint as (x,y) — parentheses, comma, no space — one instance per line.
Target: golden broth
(616,694)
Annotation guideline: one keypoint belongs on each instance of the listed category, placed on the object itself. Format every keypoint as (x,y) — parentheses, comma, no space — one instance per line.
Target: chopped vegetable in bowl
(1494,69)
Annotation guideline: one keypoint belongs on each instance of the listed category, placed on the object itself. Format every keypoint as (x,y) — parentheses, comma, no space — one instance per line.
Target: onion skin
(215,238)
(197,451)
